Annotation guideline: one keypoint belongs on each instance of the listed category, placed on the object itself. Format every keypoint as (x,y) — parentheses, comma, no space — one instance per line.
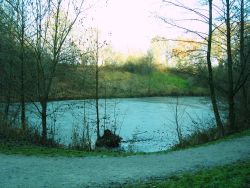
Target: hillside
(72,82)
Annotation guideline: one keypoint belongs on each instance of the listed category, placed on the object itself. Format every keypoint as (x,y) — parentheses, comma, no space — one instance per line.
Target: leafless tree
(53,23)
(177,117)
(230,68)
(208,20)
(20,9)
(210,71)
(97,46)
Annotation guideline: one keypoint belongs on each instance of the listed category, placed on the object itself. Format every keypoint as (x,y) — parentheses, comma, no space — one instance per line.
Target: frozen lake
(145,124)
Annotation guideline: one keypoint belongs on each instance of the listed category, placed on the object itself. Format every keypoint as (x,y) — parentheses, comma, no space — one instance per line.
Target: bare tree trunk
(105,109)
(97,88)
(242,58)
(7,105)
(242,40)
(86,136)
(231,109)
(178,128)
(23,118)
(44,121)
(210,74)
(8,95)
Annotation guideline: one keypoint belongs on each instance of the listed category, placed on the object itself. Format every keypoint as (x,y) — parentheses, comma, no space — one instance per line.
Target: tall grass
(15,135)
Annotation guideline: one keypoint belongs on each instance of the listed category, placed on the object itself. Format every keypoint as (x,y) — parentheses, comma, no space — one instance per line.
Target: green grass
(230,176)
(161,77)
(160,84)
(229,137)
(126,84)
(236,135)
(33,150)
(10,148)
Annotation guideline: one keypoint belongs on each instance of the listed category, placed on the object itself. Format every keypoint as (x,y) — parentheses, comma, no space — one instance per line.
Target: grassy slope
(230,176)
(125,84)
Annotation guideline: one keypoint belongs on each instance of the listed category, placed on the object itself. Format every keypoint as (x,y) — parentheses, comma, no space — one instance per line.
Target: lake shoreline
(51,99)
(124,97)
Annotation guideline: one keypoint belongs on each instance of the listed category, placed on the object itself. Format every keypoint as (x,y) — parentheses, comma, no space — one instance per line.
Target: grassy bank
(236,175)
(207,137)
(24,149)
(116,83)
(33,150)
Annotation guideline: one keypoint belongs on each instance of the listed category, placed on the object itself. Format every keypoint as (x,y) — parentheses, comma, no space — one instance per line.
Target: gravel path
(33,171)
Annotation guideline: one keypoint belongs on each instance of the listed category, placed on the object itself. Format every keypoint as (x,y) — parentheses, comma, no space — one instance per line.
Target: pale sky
(129,25)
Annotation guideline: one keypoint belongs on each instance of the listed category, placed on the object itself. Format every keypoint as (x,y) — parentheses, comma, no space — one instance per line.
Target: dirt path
(25,171)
